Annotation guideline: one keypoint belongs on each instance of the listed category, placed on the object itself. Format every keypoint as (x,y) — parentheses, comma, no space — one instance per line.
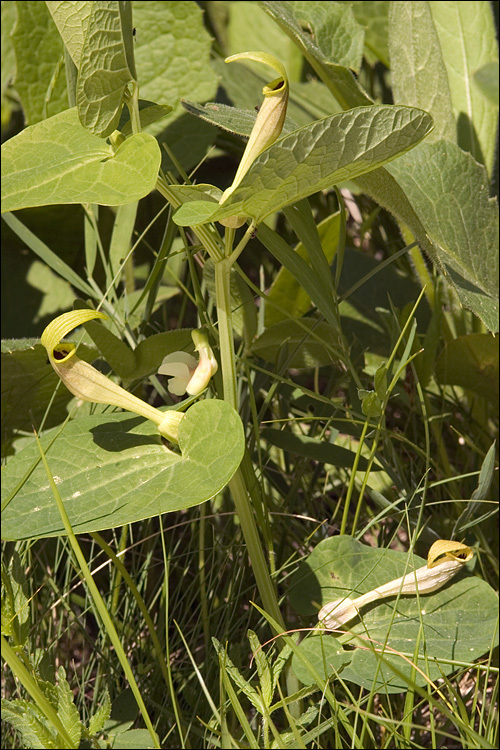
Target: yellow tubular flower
(88,384)
(268,124)
(444,560)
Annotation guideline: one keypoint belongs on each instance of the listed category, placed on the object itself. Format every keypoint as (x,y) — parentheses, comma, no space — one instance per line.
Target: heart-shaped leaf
(449,194)
(116,469)
(59,161)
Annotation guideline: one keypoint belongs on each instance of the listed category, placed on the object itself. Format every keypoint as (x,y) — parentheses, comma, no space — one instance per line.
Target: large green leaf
(116,469)
(172,53)
(456,623)
(106,66)
(380,184)
(390,192)
(59,161)
(98,37)
(419,76)
(315,157)
(430,70)
(449,193)
(330,40)
(436,49)
(39,73)
(476,115)
(71,20)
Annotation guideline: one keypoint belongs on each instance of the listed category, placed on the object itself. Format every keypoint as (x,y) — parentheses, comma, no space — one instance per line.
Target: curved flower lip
(262,57)
(268,124)
(446,551)
(58,328)
(88,384)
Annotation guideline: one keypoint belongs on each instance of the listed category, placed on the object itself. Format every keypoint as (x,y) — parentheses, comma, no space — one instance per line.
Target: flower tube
(88,384)
(444,560)
(268,124)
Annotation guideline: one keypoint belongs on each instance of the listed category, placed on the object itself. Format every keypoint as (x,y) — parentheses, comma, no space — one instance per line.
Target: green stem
(224,317)
(224,313)
(223,264)
(237,485)
(352,482)
(132,102)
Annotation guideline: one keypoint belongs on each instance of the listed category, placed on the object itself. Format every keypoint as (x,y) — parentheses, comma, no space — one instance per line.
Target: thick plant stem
(237,484)
(223,264)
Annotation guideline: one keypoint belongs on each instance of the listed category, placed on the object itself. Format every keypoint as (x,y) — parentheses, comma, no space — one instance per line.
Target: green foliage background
(363,310)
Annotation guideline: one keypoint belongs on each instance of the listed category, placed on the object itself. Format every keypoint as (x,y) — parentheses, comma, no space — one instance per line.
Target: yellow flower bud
(188,375)
(88,384)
